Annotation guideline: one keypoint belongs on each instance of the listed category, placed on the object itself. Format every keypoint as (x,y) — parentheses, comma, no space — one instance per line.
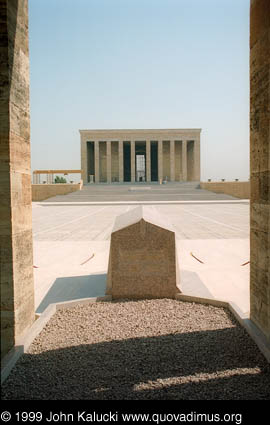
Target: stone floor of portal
(72,236)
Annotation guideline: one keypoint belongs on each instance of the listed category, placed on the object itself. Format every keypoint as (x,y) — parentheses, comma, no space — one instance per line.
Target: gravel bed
(149,349)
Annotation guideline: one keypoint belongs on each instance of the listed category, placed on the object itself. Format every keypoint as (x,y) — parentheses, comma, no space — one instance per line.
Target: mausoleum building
(109,156)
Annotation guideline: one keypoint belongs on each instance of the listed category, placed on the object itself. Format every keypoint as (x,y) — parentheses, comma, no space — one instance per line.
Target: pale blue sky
(140,64)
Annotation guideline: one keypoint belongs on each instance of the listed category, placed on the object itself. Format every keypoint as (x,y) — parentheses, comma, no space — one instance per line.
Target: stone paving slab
(63,277)
(221,276)
(94,222)
(69,270)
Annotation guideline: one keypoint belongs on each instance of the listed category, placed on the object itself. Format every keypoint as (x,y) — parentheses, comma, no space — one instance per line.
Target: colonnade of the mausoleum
(109,156)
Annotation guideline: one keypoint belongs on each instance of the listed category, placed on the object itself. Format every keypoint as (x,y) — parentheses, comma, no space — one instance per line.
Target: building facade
(109,156)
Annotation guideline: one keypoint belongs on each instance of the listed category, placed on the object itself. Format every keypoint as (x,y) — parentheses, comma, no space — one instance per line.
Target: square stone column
(84,160)
(109,162)
(172,160)
(148,161)
(16,246)
(197,160)
(160,160)
(121,161)
(132,160)
(184,160)
(260,166)
(96,161)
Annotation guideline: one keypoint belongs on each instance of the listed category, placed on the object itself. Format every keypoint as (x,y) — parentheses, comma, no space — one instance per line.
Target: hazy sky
(100,64)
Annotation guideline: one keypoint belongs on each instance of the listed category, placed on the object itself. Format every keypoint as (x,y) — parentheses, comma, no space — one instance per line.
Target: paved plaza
(72,237)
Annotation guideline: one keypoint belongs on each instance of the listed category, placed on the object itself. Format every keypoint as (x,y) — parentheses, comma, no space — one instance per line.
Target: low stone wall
(238,189)
(45,191)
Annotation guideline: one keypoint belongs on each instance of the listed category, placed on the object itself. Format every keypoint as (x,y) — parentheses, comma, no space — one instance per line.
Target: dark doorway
(154,161)
(127,164)
(140,163)
(140,168)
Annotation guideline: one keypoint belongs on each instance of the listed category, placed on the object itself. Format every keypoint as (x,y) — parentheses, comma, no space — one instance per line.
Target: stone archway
(17,286)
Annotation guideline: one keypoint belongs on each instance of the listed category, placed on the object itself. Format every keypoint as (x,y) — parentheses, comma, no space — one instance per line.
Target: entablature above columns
(140,135)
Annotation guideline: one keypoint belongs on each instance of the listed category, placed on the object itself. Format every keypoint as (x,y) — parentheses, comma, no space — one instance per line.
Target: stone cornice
(145,131)
(154,134)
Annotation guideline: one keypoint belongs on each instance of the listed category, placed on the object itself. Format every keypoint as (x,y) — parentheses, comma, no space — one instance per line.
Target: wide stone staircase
(143,192)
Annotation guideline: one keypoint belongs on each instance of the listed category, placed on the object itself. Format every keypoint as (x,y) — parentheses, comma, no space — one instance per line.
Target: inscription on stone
(143,263)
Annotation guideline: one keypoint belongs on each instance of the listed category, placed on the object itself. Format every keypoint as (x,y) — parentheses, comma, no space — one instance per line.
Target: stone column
(96,161)
(172,160)
(132,160)
(197,160)
(84,160)
(109,162)
(121,160)
(260,165)
(160,160)
(148,161)
(184,160)
(16,249)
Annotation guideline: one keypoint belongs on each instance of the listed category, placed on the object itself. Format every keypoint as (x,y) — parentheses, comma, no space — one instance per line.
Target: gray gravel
(150,349)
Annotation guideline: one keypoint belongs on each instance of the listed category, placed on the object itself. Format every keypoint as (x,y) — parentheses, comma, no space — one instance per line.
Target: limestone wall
(45,191)
(238,189)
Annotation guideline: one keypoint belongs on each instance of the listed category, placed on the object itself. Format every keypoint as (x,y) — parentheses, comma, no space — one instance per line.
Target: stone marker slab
(143,260)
